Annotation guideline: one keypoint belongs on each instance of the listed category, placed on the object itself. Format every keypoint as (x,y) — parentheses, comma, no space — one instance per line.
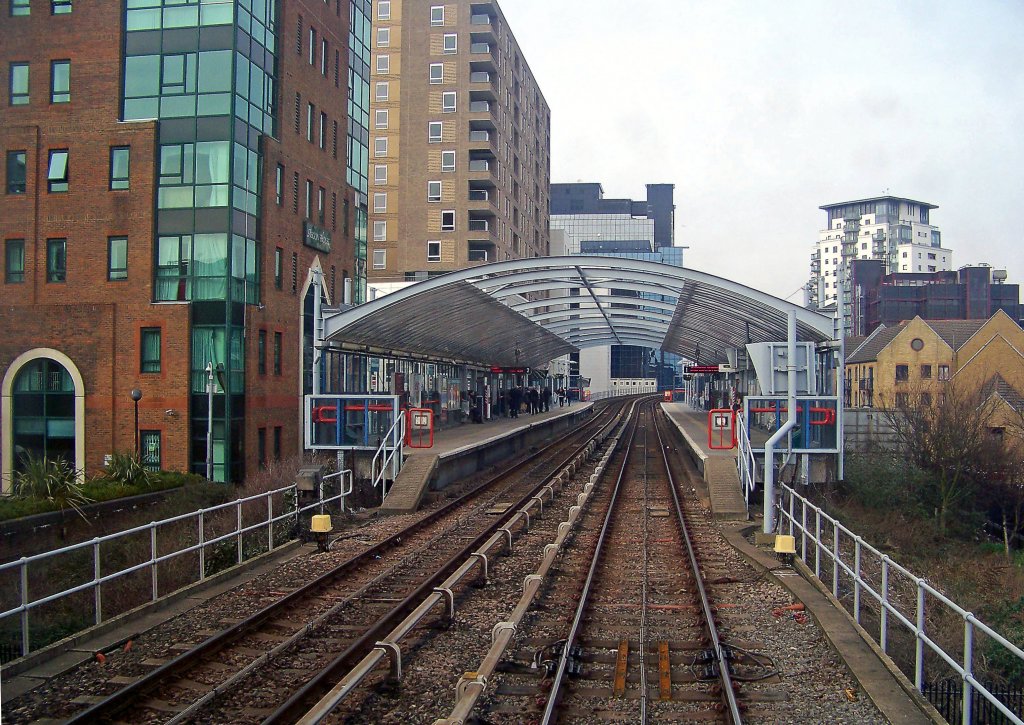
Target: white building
(895,230)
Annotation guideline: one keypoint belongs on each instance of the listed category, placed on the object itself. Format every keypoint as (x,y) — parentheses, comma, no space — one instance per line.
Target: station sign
(511,371)
(315,237)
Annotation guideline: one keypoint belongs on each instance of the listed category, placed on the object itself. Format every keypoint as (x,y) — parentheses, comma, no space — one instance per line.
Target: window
(261,447)
(436,73)
(14,261)
(323,58)
(434,251)
(926,400)
(926,372)
(278,184)
(277,353)
(434,131)
(383,37)
(278,267)
(380,174)
(60,81)
(902,373)
(384,10)
(312,46)
(380,259)
(57,171)
(277,442)
(383,63)
(448,102)
(261,352)
(380,231)
(902,400)
(381,91)
(433,191)
(149,350)
(19,7)
(323,129)
(310,112)
(447,161)
(943,372)
(309,199)
(117,258)
(380,146)
(380,118)
(437,14)
(321,200)
(451,43)
(120,162)
(448,221)
(149,449)
(380,202)
(15,172)
(56,260)
(19,84)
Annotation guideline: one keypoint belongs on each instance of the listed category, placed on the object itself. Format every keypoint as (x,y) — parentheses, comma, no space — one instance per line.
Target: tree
(945,431)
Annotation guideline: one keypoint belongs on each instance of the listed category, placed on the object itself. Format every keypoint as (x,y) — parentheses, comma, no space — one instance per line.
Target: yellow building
(911,361)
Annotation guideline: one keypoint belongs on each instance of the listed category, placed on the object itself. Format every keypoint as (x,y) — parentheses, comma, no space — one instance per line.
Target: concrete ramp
(717,467)
(412,482)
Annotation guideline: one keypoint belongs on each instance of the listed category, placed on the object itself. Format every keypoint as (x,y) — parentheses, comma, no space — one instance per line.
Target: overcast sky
(760,112)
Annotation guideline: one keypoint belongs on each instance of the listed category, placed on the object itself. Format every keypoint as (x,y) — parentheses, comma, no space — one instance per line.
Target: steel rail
(324,681)
(130,694)
(556,683)
(728,691)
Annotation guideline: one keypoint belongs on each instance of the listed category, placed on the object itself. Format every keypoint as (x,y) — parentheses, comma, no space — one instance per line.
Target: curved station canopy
(529,311)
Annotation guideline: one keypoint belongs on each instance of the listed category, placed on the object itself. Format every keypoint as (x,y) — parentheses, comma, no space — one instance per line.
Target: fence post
(202,546)
(968,690)
(238,528)
(270,522)
(835,559)
(856,579)
(97,590)
(152,561)
(883,630)
(803,530)
(24,608)
(792,495)
(817,543)
(919,636)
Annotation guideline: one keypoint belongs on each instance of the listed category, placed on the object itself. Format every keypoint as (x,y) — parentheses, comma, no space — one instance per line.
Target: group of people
(529,400)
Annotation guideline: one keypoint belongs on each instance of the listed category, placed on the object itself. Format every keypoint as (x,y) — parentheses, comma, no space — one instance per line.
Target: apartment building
(175,171)
(460,142)
(892,229)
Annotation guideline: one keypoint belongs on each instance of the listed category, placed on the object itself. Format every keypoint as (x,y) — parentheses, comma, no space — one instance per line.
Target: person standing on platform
(546,399)
(561,397)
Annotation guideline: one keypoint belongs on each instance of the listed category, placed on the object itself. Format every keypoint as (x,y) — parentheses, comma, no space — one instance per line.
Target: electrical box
(770,360)
(309,478)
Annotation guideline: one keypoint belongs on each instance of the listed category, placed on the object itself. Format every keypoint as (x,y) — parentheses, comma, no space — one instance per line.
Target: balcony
(878,236)
(481,107)
(481,251)
(480,48)
(479,77)
(479,165)
(479,225)
(480,19)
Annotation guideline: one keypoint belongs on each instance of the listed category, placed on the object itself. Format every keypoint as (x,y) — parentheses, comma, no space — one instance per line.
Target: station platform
(717,467)
(464,450)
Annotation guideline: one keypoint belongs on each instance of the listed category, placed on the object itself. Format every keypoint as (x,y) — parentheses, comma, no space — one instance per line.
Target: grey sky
(760,112)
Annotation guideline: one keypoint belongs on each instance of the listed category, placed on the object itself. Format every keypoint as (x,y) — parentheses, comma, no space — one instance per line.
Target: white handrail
(864,555)
(392,455)
(746,464)
(27,603)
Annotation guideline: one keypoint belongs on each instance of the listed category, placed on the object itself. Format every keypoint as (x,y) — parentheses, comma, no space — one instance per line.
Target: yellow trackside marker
(619,689)
(665,672)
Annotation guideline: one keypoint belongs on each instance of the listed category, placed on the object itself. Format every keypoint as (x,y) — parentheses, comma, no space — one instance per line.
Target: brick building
(173,174)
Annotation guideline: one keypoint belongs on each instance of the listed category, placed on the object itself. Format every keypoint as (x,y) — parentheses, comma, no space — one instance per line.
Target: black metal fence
(948,696)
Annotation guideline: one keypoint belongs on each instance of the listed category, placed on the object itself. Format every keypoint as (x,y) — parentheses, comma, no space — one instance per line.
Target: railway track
(343,610)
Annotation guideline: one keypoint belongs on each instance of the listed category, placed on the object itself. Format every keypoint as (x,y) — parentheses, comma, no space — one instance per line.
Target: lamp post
(137,396)
(209,421)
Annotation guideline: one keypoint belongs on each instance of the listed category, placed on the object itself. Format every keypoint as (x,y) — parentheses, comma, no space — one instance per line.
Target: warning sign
(720,421)
(721,429)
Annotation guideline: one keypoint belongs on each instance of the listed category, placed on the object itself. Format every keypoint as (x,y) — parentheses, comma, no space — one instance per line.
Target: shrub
(54,481)
(127,469)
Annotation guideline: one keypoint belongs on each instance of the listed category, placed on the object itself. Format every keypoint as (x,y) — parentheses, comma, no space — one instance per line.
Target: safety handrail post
(152,562)
(968,692)
(97,589)
(919,638)
(202,546)
(883,628)
(238,529)
(24,608)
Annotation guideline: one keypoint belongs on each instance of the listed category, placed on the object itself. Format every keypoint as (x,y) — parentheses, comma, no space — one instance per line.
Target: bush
(127,469)
(53,481)
(882,481)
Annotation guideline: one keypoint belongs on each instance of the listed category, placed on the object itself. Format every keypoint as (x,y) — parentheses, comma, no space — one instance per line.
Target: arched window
(43,412)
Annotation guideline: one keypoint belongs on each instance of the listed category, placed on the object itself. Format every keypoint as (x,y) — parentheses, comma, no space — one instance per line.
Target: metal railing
(746,464)
(389,454)
(809,524)
(290,513)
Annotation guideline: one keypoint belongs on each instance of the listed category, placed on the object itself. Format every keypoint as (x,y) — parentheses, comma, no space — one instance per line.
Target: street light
(137,396)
